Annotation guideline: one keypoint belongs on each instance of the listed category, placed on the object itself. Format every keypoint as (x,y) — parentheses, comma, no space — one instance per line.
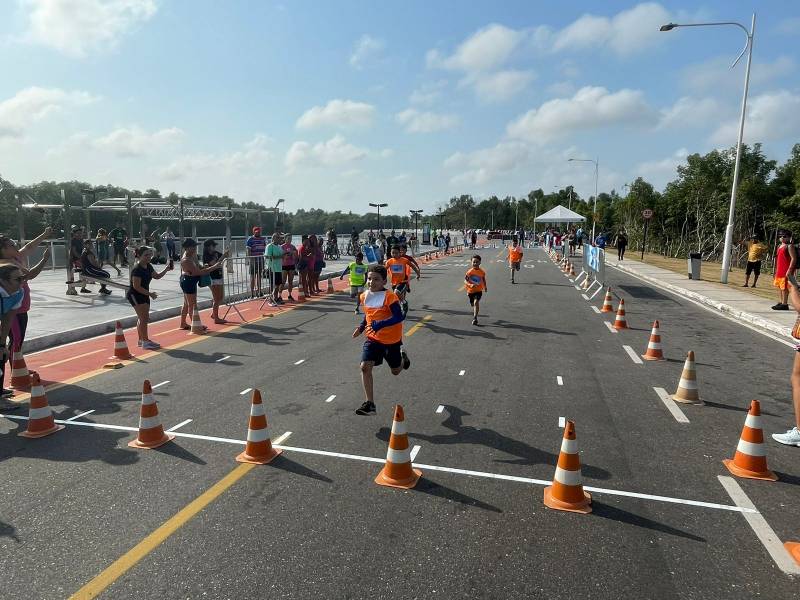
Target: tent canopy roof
(560,214)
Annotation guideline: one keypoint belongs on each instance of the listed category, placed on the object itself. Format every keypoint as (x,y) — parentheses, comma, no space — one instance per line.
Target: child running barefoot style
(383,323)
(475,284)
(514,257)
(358,277)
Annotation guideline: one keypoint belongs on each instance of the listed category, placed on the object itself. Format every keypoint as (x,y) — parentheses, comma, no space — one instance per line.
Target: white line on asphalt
(634,357)
(179,425)
(577,287)
(330,398)
(763,531)
(223,358)
(83,414)
(300,362)
(595,309)
(585,297)
(559,380)
(670,404)
(414,451)
(562,422)
(244,391)
(282,438)
(440,409)
(610,328)
(158,385)
(698,503)
(461,373)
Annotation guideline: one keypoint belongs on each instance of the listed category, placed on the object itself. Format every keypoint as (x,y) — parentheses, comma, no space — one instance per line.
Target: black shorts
(257,265)
(135,298)
(375,352)
(753,267)
(515,266)
(474,296)
(189,284)
(400,288)
(288,268)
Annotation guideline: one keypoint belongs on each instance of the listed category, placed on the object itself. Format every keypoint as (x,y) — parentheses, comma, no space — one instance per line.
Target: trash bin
(694,262)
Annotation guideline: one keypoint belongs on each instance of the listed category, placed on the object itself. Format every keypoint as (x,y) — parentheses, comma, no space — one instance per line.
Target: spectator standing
(756,251)
(447,243)
(90,267)
(119,242)
(212,256)
(139,294)
(473,239)
(75,252)
(256,244)
(169,240)
(600,240)
(274,254)
(289,263)
(303,253)
(319,263)
(792,436)
(103,251)
(311,263)
(191,272)
(11,296)
(579,236)
(785,264)
(621,242)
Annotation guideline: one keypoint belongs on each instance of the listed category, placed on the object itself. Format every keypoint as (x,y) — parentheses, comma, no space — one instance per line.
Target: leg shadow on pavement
(606,511)
(426,486)
(252,337)
(176,451)
(683,360)
(741,409)
(449,311)
(787,478)
(73,445)
(527,328)
(9,531)
(462,333)
(284,463)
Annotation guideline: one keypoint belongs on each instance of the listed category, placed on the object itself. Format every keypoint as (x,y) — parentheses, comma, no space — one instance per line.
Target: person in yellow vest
(756,251)
(383,324)
(514,257)
(475,284)
(358,277)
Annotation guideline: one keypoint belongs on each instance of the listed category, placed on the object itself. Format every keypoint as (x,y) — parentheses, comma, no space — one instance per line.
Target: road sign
(647,213)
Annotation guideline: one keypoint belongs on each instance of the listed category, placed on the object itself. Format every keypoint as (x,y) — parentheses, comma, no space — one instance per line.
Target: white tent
(560,214)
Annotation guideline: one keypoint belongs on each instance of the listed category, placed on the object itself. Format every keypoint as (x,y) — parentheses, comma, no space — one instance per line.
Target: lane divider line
(244,391)
(610,328)
(158,385)
(83,414)
(559,380)
(66,360)
(634,357)
(461,373)
(440,409)
(166,332)
(764,533)
(300,362)
(595,309)
(414,451)
(282,438)
(330,398)
(179,425)
(562,422)
(223,358)
(672,407)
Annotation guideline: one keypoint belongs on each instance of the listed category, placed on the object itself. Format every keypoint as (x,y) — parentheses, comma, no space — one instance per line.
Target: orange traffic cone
(330,289)
(20,377)
(121,351)
(571,270)
(397,472)
(40,417)
(567,493)
(151,432)
(259,450)
(197,325)
(608,302)
(653,351)
(620,322)
(750,459)
(793,548)
(687,392)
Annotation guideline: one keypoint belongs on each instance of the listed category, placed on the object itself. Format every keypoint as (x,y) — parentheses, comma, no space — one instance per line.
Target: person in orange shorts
(514,257)
(475,284)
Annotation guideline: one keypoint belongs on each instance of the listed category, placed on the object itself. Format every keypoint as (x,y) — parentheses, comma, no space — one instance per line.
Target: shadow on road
(527,328)
(176,451)
(613,513)
(426,486)
(9,531)
(462,333)
(287,464)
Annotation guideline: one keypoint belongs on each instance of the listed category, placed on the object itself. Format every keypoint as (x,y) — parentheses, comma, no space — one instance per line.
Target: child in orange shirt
(475,284)
(514,257)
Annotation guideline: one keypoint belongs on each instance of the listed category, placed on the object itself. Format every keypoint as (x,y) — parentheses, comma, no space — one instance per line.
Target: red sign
(647,213)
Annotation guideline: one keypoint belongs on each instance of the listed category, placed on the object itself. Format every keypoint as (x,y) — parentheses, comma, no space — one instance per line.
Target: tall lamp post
(379,207)
(277,212)
(726,253)
(596,172)
(416,214)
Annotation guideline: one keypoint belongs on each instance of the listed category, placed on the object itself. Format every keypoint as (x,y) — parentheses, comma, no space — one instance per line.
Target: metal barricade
(594,264)
(246,277)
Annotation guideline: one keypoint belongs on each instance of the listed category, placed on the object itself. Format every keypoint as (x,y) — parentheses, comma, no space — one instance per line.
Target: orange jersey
(377,307)
(475,280)
(514,254)
(398,270)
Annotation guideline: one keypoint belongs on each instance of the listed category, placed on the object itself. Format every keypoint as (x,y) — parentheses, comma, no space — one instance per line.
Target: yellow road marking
(166,332)
(463,286)
(411,331)
(61,362)
(128,560)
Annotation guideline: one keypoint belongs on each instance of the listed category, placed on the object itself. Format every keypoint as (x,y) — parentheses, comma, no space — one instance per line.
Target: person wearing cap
(274,254)
(191,272)
(256,245)
(210,257)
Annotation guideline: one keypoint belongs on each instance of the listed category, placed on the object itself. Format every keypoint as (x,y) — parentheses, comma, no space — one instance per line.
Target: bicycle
(332,251)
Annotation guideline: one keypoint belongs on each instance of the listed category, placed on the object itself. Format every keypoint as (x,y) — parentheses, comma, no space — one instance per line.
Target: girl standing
(191,272)
(289,262)
(102,249)
(210,257)
(139,293)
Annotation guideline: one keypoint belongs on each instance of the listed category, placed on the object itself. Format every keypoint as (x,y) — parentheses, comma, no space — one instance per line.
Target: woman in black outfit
(211,257)
(622,243)
(139,293)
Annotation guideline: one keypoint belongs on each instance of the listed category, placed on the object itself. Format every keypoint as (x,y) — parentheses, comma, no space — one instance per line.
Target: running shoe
(105,291)
(366,409)
(780,306)
(406,360)
(474,321)
(790,438)
(85,291)
(356,311)
(148,345)
(290,298)
(6,393)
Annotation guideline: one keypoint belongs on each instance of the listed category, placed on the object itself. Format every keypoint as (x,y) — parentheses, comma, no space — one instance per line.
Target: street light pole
(596,173)
(726,253)
(379,206)
(277,212)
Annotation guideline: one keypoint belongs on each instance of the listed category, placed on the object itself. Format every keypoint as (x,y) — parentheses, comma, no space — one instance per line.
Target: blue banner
(593,257)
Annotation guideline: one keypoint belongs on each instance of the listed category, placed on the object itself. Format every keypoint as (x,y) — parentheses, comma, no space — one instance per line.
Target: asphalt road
(312,525)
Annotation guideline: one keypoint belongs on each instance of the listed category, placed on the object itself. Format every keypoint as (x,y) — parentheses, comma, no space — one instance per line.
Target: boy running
(383,322)
(399,271)
(514,257)
(475,284)
(358,277)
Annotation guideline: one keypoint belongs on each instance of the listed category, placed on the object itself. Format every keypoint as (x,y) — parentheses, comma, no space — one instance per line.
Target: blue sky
(336,104)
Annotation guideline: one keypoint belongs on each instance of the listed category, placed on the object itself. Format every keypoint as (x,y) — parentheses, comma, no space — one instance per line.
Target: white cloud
(789,26)
(770,117)
(500,86)
(78,27)
(715,74)
(252,158)
(426,122)
(589,108)
(561,88)
(482,166)
(486,49)
(333,153)
(337,113)
(129,142)
(659,172)
(366,49)
(400,178)
(689,112)
(34,104)
(428,93)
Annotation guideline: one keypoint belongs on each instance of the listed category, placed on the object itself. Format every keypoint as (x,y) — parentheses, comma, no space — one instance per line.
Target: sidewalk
(732,301)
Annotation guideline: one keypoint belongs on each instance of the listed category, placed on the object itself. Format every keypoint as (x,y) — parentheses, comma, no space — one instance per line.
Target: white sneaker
(790,438)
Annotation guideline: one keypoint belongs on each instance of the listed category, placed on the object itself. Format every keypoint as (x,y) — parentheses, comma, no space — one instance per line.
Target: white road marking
(244,391)
(461,373)
(634,357)
(498,476)
(562,422)
(179,425)
(282,438)
(610,327)
(577,287)
(763,531)
(595,309)
(300,362)
(671,405)
(223,358)
(559,380)
(440,409)
(158,385)
(330,398)
(414,451)
(83,414)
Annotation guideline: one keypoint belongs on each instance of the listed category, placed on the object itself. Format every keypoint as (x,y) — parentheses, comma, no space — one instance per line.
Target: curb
(727,309)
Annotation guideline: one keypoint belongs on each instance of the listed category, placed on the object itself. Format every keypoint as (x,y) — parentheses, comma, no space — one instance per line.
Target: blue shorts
(375,352)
